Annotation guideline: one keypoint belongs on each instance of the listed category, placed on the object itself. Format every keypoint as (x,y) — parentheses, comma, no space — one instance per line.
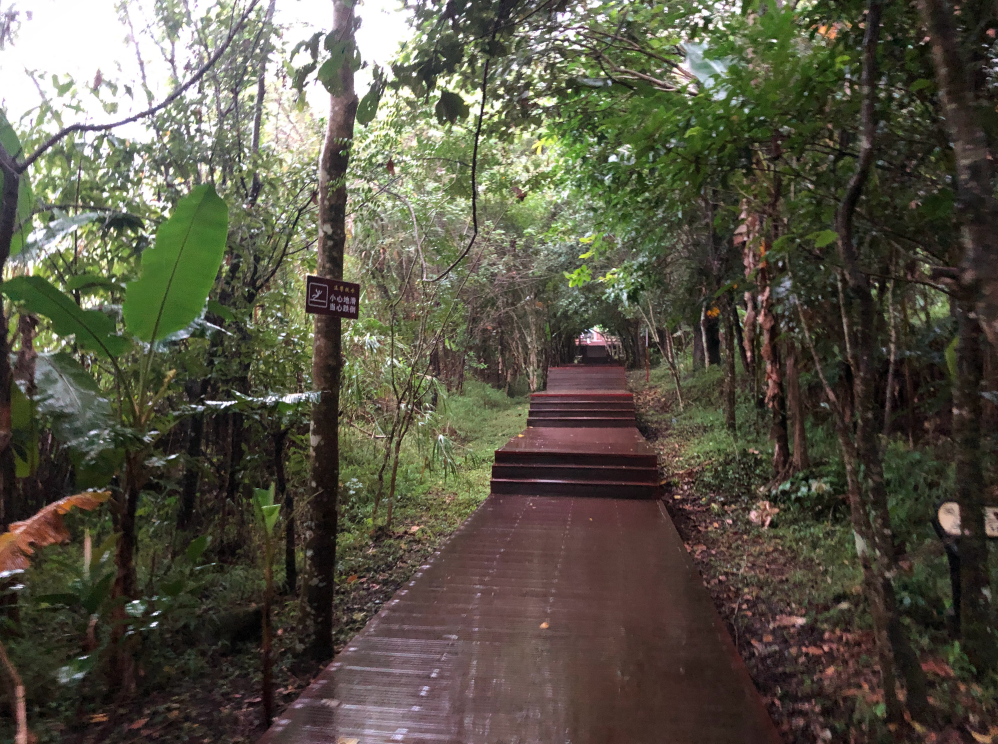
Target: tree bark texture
(8,222)
(980,640)
(795,406)
(730,378)
(977,211)
(321,521)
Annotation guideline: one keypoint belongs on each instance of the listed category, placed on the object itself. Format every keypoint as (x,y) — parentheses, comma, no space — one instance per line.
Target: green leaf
(951,358)
(341,52)
(216,307)
(96,471)
(450,108)
(920,84)
(824,238)
(24,426)
(179,270)
(367,109)
(90,283)
(270,516)
(196,548)
(94,331)
(69,396)
(100,591)
(45,241)
(265,509)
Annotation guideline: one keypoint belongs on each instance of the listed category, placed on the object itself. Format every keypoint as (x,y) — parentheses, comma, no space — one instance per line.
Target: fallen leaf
(98,718)
(763,514)
(138,724)
(352,578)
(767,638)
(415,528)
(344,740)
(544,625)
(812,650)
(938,667)
(789,621)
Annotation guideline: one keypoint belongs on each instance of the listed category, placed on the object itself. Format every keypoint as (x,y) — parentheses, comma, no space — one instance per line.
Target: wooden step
(562,472)
(591,405)
(594,489)
(582,422)
(603,459)
(578,410)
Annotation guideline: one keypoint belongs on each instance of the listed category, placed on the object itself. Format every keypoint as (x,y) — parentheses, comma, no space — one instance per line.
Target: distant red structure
(596,347)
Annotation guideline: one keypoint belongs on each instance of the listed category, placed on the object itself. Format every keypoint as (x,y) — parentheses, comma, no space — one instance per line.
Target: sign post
(332,297)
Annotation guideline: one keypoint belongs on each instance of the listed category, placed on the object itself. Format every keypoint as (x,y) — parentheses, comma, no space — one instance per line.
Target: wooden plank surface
(546,619)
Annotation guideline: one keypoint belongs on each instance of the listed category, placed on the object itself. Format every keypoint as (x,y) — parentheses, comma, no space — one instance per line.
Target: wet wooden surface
(544,620)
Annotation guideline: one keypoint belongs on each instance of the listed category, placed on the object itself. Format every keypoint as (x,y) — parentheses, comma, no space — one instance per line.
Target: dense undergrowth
(791,593)
(198,654)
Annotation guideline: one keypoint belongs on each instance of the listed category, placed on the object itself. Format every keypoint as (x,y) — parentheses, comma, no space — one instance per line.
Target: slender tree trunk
(795,404)
(192,469)
(8,222)
(977,278)
(730,380)
(125,587)
(977,208)
(891,363)
(976,610)
(261,91)
(739,337)
(326,363)
(286,498)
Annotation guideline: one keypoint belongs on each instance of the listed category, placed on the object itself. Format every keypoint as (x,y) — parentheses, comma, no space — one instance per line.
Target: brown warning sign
(332,297)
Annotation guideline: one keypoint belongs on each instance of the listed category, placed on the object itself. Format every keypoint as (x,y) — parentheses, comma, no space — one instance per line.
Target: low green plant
(266,515)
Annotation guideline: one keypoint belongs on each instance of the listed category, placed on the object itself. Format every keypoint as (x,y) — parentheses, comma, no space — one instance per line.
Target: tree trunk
(976,613)
(326,362)
(977,208)
(730,379)
(125,587)
(8,221)
(698,355)
(739,337)
(977,275)
(795,405)
(192,469)
(288,500)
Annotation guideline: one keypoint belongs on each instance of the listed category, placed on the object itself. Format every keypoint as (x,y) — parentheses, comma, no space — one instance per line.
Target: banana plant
(116,438)
(266,514)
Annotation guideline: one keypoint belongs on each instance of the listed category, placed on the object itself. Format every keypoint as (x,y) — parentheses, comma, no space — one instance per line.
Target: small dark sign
(331,297)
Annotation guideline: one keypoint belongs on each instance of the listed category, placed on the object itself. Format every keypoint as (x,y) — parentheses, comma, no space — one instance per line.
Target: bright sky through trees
(79,37)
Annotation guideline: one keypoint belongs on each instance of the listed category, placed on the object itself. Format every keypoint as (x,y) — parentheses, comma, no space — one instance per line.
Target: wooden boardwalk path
(547,619)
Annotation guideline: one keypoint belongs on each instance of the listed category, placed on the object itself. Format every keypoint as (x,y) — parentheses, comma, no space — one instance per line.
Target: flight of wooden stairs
(581,440)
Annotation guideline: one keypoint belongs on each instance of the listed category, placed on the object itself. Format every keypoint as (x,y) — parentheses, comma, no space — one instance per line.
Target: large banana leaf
(179,271)
(69,396)
(94,331)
